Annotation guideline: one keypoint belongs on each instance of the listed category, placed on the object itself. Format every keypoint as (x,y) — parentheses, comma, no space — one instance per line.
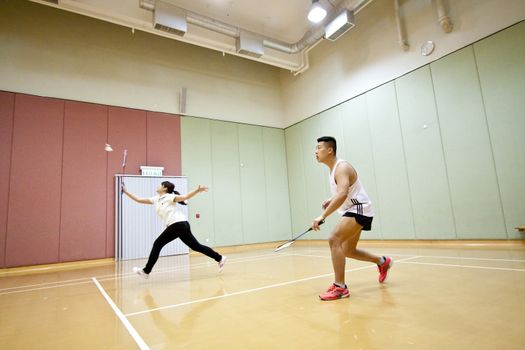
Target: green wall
(441,150)
(245,168)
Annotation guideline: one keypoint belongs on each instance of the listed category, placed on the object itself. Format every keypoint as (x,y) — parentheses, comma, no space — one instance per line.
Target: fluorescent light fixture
(317,12)
(339,25)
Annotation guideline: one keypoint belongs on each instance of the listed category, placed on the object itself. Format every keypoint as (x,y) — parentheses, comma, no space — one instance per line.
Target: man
(351,201)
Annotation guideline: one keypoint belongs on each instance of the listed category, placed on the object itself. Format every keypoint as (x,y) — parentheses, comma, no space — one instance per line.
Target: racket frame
(292,241)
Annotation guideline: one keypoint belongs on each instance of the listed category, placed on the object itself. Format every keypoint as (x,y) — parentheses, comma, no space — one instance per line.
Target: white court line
(66,283)
(254,289)
(46,287)
(311,255)
(436,264)
(138,339)
(439,257)
(464,258)
(465,266)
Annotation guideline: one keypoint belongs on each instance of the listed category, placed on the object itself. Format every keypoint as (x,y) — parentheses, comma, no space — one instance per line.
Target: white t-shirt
(356,201)
(167,209)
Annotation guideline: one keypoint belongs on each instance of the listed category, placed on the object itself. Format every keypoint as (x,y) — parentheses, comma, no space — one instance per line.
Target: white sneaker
(222,263)
(141,272)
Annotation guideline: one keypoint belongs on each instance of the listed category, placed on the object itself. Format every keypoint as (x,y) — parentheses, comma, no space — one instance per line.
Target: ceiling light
(317,12)
(339,25)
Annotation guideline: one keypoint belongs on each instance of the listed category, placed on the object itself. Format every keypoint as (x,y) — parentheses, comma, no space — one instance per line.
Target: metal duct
(310,38)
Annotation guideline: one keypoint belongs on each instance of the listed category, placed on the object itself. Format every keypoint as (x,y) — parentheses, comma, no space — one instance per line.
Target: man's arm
(344,177)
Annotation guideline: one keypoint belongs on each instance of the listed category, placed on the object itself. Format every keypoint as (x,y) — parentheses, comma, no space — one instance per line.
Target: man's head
(326,148)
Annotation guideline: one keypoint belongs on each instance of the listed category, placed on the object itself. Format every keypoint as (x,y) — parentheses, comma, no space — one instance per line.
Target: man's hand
(326,203)
(315,224)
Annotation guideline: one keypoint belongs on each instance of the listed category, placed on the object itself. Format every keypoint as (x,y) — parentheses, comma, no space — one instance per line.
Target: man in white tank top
(351,201)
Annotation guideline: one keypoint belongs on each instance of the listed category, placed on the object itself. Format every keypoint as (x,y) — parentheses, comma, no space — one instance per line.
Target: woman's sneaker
(383,269)
(334,293)
(141,272)
(222,263)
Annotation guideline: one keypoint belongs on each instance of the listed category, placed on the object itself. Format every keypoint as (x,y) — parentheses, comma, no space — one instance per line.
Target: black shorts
(365,221)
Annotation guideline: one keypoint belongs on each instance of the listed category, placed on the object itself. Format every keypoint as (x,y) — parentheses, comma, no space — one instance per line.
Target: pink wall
(126,130)
(7,105)
(57,195)
(33,222)
(164,141)
(83,224)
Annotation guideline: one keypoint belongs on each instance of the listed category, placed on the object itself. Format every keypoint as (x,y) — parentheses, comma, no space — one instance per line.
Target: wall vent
(339,25)
(250,44)
(170,19)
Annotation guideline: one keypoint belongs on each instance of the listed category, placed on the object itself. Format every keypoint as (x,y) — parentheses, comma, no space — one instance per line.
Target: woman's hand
(202,188)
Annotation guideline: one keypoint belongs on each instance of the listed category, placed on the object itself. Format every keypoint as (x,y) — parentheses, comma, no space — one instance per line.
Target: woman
(177,225)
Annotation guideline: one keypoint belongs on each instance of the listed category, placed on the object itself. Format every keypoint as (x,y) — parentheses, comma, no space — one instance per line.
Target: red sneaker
(334,293)
(383,269)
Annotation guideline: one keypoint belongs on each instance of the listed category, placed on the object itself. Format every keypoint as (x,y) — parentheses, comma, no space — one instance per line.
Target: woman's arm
(135,198)
(185,197)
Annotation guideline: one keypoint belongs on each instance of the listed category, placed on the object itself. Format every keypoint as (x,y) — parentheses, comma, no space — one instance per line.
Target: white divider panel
(137,225)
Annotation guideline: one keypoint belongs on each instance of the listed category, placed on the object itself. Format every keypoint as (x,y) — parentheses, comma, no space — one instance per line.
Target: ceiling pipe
(443,18)
(403,42)
(147,4)
(307,40)
(305,58)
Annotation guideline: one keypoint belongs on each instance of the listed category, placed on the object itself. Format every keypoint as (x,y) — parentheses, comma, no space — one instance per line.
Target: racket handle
(320,223)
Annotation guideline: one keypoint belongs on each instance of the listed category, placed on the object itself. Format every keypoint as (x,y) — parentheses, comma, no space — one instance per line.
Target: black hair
(170,187)
(330,141)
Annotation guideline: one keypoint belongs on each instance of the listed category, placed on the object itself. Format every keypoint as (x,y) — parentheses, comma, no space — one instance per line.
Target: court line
(465,258)
(45,287)
(136,336)
(253,290)
(439,257)
(77,281)
(466,266)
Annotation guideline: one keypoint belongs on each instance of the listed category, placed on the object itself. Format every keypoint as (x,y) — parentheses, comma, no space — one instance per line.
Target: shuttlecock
(108,148)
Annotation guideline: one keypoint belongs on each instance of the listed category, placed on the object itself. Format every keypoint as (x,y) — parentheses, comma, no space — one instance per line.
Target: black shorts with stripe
(365,221)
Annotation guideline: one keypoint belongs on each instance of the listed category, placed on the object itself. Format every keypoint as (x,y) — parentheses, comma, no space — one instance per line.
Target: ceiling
(280,21)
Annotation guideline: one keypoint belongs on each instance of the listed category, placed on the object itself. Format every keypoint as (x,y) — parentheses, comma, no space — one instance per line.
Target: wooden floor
(438,296)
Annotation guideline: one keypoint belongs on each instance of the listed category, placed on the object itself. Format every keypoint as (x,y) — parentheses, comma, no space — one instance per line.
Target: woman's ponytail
(178,194)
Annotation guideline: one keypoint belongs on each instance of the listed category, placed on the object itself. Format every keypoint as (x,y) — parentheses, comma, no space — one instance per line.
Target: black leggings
(178,230)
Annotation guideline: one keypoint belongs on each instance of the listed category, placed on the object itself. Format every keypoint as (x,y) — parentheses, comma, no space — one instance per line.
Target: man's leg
(350,250)
(341,233)
(350,245)
(346,232)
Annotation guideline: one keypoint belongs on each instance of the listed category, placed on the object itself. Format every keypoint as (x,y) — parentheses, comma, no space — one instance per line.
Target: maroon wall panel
(164,145)
(35,181)
(83,219)
(7,104)
(127,130)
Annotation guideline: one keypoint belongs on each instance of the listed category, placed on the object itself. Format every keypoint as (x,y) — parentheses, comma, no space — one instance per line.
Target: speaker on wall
(182,100)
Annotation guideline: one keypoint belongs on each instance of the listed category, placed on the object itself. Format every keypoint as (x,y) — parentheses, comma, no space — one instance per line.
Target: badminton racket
(124,159)
(292,241)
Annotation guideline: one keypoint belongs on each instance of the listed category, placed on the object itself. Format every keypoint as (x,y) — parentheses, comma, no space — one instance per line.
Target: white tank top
(356,201)
(167,209)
